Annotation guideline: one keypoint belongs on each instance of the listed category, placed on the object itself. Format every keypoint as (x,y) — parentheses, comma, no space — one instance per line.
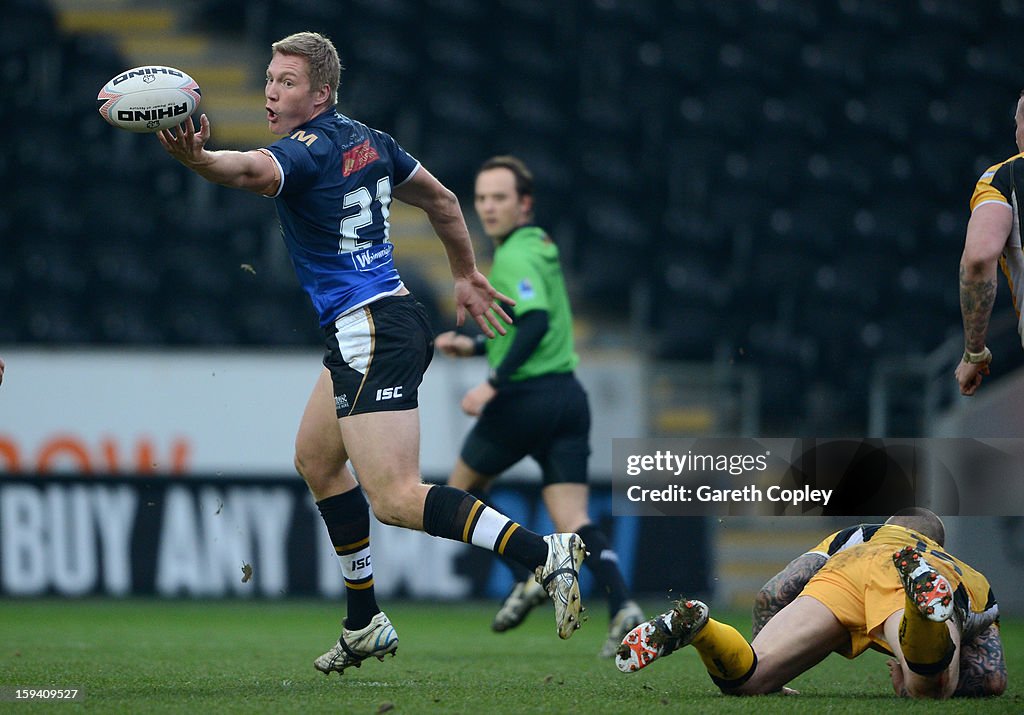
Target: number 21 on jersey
(351,226)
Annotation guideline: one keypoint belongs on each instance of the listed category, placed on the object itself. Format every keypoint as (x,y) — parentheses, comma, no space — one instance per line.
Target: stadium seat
(921,59)
(781,155)
(839,55)
(873,17)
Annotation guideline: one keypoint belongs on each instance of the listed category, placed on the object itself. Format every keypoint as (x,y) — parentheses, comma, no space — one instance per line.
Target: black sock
(451,513)
(348,523)
(604,564)
(519,572)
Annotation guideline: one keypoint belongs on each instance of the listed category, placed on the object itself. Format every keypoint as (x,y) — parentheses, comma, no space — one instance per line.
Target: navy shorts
(377,355)
(546,418)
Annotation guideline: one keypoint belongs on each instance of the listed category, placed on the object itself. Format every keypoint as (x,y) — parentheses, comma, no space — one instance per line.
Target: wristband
(985,356)
(480,345)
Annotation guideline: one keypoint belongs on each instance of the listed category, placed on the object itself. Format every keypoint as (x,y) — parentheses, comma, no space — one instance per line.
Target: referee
(532,404)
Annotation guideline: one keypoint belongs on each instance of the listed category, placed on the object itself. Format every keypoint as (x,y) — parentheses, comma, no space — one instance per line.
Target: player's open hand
(969,375)
(184,143)
(475,295)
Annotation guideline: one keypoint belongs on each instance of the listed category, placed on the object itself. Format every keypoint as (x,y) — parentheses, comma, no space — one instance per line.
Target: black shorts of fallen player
(377,355)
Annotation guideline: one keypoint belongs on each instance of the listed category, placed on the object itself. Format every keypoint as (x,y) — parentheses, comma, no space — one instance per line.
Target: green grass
(199,657)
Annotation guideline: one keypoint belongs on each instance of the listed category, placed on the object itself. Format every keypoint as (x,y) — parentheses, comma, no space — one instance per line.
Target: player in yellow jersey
(889,587)
(993,238)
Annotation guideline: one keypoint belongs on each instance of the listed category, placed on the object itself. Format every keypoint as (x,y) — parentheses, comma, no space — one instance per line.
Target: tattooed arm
(982,666)
(783,587)
(987,231)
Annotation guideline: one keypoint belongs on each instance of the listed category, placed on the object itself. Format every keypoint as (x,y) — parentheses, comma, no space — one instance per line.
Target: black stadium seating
(786,179)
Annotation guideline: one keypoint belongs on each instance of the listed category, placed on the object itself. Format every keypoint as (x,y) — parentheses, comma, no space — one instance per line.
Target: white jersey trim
(280,172)
(994,201)
(411,174)
(369,300)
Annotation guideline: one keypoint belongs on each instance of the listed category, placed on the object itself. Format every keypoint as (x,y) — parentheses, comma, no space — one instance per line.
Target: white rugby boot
(560,577)
(376,640)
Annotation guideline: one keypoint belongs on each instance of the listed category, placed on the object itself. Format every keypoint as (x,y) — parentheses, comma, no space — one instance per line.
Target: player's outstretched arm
(249,170)
(783,587)
(474,294)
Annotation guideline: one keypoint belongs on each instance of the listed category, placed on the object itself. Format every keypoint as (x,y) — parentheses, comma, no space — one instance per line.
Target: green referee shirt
(526,269)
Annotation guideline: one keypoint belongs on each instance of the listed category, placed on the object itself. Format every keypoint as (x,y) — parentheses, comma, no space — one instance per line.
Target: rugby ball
(148,99)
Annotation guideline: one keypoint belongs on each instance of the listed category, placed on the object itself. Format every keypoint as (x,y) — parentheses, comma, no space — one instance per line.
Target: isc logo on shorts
(389,393)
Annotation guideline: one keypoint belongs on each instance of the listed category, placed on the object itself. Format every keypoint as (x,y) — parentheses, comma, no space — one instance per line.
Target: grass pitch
(256,657)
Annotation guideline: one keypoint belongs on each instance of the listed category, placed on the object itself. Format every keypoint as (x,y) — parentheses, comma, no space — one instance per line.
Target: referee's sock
(927,645)
(726,654)
(603,562)
(347,517)
(453,514)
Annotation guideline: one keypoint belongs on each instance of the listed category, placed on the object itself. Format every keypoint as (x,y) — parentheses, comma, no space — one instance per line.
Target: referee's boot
(625,619)
(524,597)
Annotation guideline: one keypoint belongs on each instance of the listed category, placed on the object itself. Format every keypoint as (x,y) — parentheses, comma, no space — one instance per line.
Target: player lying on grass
(884,586)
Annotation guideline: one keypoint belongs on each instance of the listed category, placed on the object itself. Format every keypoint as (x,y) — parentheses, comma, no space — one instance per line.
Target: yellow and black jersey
(1000,184)
(975,586)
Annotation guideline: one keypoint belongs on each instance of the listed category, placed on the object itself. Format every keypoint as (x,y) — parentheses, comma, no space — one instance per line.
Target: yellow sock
(926,644)
(726,654)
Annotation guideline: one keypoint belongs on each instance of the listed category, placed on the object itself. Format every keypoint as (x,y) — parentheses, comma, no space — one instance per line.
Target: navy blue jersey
(336,181)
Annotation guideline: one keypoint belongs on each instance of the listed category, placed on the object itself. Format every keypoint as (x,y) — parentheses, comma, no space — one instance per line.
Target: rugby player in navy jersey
(333,180)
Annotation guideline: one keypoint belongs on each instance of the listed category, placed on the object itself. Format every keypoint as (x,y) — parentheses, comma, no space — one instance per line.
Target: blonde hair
(324,65)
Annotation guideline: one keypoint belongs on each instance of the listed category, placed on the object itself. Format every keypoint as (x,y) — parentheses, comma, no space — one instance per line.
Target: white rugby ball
(148,98)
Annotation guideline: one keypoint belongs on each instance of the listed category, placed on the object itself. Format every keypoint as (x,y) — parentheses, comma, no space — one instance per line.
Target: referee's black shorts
(547,418)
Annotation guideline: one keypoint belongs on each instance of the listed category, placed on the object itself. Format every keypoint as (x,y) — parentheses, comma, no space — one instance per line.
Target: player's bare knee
(314,471)
(300,465)
(929,688)
(392,506)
